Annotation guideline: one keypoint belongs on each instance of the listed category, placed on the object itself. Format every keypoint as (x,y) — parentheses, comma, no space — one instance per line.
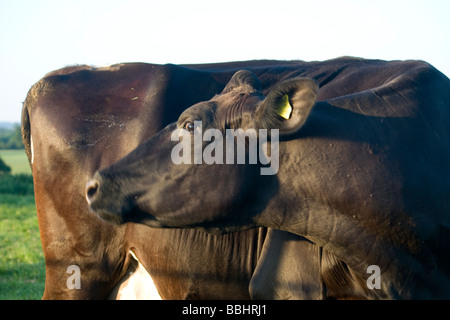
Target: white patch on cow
(138,286)
(32,150)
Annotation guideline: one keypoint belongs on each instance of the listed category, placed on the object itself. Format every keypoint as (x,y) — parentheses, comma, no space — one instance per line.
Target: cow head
(192,172)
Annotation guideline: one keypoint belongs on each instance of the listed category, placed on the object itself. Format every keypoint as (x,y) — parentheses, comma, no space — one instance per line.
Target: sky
(38,36)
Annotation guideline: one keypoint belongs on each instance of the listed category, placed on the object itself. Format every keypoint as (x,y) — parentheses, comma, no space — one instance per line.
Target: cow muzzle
(105,199)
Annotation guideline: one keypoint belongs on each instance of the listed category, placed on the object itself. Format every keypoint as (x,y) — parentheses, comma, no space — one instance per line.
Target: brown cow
(364,173)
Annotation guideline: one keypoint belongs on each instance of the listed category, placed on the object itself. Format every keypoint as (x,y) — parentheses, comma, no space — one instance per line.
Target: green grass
(22,266)
(17,160)
(18,184)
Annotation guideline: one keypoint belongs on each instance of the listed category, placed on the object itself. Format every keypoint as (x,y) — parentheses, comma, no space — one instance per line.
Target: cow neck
(291,211)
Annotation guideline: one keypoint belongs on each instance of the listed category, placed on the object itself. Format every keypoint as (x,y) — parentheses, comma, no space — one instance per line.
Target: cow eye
(189,126)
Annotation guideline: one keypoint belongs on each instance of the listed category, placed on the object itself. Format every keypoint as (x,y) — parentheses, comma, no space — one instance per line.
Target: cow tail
(26,129)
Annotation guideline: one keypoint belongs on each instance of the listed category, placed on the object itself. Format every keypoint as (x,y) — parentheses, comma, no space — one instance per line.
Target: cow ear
(244,80)
(287,106)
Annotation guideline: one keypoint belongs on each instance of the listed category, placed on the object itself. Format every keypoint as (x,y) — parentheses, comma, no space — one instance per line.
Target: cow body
(77,120)
(364,172)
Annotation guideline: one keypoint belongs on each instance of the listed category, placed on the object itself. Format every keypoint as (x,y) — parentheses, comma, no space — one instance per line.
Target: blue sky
(38,36)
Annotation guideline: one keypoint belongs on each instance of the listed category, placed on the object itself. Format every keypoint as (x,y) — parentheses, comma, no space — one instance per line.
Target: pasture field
(22,266)
(17,160)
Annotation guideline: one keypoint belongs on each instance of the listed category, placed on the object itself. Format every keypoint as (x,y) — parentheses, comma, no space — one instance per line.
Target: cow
(363,170)
(81,119)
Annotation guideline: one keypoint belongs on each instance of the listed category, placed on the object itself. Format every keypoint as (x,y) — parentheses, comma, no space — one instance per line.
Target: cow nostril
(91,190)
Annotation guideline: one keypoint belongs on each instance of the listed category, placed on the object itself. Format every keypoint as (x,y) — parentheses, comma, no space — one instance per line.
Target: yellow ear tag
(285,109)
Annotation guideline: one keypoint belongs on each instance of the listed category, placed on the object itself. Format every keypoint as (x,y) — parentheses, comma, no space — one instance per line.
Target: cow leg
(137,284)
(289,268)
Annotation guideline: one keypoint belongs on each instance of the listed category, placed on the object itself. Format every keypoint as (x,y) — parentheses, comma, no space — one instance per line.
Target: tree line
(4,168)
(11,138)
